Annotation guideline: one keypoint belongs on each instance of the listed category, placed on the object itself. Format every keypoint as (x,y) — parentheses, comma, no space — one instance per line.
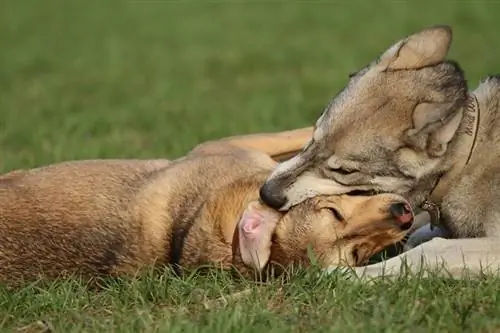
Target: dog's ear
(434,125)
(255,230)
(424,48)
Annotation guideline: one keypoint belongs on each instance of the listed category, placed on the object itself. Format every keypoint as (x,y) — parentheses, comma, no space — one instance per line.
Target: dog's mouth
(355,253)
(359,254)
(363,251)
(392,231)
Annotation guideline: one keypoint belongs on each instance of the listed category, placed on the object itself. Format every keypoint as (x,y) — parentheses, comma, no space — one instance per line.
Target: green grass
(216,303)
(152,79)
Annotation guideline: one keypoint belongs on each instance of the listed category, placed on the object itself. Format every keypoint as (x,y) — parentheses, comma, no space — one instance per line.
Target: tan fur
(111,217)
(397,127)
(311,223)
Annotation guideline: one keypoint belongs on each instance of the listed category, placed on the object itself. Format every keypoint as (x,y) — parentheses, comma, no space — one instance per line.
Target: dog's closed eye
(336,213)
(342,171)
(362,192)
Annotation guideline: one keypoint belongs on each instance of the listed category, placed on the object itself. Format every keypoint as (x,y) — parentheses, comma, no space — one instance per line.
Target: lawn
(141,79)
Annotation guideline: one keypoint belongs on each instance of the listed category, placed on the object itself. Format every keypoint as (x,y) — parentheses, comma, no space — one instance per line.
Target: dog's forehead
(387,98)
(306,207)
(371,114)
(355,108)
(354,141)
(299,218)
(351,127)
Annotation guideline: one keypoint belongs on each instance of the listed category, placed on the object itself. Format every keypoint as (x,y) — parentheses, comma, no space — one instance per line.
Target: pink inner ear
(251,221)
(256,228)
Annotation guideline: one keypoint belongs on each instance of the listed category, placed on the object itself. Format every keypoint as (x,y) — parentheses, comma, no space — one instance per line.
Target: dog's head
(386,131)
(340,230)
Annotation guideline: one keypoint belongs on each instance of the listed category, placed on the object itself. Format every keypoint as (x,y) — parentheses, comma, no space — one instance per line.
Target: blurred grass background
(153,78)
(139,79)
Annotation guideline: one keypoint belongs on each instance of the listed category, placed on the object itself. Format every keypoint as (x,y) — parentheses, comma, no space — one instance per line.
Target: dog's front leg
(445,257)
(279,146)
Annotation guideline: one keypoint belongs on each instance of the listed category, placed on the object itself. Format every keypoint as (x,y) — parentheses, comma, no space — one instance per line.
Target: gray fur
(396,127)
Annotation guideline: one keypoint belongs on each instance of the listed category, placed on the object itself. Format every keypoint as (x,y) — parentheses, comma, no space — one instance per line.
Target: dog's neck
(464,147)
(211,237)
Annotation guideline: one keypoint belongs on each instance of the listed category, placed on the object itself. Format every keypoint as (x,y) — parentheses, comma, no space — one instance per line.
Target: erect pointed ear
(255,230)
(435,124)
(424,48)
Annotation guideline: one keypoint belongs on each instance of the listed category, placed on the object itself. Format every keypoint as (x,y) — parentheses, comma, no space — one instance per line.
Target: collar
(466,145)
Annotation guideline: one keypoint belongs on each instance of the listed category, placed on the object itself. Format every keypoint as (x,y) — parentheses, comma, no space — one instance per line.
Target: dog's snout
(402,214)
(272,196)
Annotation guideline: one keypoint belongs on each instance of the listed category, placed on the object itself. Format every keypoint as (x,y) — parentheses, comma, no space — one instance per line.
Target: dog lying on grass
(116,217)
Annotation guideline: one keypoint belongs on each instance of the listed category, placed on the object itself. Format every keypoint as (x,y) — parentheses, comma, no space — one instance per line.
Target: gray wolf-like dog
(407,123)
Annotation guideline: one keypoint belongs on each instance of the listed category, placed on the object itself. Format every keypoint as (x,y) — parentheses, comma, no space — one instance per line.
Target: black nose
(402,214)
(271,196)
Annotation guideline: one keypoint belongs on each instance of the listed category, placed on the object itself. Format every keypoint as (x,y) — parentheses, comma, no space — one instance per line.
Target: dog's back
(105,216)
(73,214)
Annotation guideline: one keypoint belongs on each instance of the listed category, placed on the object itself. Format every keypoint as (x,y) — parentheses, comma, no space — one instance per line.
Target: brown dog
(111,217)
